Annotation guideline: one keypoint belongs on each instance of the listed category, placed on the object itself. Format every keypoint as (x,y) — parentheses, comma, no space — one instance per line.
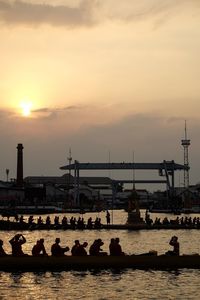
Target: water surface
(106,284)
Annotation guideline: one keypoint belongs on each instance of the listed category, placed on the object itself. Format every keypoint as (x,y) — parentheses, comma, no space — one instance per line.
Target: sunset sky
(102,77)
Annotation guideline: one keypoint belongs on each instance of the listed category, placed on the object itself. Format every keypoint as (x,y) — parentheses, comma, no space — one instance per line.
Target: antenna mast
(186,143)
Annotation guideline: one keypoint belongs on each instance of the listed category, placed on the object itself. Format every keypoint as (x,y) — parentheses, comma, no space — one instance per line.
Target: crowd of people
(71,222)
(81,223)
(182,221)
(78,249)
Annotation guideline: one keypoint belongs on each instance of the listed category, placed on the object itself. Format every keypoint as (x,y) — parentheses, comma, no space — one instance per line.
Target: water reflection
(101,284)
(105,284)
(80,274)
(16,277)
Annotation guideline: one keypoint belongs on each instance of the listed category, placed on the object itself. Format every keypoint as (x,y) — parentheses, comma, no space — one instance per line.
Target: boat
(49,263)
(11,225)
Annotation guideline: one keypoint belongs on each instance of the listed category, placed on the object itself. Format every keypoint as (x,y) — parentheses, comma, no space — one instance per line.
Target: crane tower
(186,143)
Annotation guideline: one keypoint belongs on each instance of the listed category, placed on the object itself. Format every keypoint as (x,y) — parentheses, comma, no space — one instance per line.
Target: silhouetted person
(48,220)
(16,218)
(21,219)
(16,242)
(56,220)
(118,248)
(75,247)
(95,248)
(64,221)
(176,248)
(89,223)
(57,250)
(73,222)
(108,217)
(39,249)
(30,220)
(2,251)
(97,222)
(112,247)
(40,221)
(80,251)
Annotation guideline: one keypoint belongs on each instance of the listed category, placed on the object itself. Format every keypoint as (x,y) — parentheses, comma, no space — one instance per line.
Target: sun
(26,108)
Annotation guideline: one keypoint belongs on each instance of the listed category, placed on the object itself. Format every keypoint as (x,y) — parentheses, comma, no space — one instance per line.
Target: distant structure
(20,165)
(69,158)
(134,217)
(7,174)
(186,143)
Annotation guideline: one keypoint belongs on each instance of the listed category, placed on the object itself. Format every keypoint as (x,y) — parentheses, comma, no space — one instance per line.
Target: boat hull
(30,263)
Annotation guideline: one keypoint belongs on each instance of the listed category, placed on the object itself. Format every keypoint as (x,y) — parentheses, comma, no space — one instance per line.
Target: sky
(105,78)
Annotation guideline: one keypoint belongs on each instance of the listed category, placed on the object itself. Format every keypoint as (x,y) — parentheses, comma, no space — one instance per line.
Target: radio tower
(186,143)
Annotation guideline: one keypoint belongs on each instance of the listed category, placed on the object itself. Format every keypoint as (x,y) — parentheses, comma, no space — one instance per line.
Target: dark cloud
(88,12)
(24,12)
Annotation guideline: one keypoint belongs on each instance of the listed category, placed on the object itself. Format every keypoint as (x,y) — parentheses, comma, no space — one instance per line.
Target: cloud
(88,12)
(24,12)
(51,113)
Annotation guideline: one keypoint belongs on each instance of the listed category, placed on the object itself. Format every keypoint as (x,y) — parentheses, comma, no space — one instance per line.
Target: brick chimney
(20,165)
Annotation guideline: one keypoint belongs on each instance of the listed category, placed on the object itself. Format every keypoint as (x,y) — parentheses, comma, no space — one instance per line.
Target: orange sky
(99,76)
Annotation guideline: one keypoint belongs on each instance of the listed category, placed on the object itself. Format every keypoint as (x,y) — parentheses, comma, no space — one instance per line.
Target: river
(105,284)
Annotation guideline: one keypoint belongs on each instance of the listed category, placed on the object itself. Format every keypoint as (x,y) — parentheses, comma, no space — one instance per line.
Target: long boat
(10,225)
(49,263)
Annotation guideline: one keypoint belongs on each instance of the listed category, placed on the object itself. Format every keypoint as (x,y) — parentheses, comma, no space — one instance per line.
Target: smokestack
(20,165)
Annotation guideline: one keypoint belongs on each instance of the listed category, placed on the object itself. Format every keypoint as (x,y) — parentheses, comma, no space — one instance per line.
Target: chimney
(20,165)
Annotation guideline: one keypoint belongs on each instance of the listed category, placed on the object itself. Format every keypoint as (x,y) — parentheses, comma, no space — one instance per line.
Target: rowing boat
(10,225)
(50,263)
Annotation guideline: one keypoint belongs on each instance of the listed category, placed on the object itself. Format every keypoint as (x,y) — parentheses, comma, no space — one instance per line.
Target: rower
(57,250)
(112,246)
(115,247)
(48,221)
(95,248)
(81,251)
(30,220)
(39,249)
(75,247)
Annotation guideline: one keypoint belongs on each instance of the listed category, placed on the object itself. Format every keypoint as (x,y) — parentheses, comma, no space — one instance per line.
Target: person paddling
(39,249)
(57,250)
